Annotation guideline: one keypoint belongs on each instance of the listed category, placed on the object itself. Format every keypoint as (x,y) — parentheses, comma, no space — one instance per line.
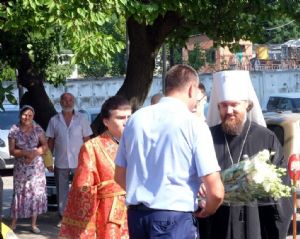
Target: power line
(280,26)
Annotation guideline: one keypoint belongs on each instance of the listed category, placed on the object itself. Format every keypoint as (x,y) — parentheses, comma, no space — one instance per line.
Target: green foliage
(112,66)
(6,92)
(177,55)
(92,29)
(115,67)
(280,31)
(95,30)
(56,74)
(291,8)
(93,69)
(25,30)
(85,26)
(196,57)
(6,74)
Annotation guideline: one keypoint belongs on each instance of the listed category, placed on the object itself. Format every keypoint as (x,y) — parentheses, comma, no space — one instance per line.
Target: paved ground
(48,221)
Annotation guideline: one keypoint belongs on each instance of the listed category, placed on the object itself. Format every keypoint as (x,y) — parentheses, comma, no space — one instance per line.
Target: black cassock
(248,222)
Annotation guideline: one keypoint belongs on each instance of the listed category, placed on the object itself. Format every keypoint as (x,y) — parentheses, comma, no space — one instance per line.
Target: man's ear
(250,106)
(105,122)
(191,90)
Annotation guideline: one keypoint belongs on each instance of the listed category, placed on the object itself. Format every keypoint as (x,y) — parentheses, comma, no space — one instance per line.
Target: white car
(7,118)
(286,127)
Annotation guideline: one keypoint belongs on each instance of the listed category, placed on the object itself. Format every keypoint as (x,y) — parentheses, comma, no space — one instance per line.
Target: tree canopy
(29,25)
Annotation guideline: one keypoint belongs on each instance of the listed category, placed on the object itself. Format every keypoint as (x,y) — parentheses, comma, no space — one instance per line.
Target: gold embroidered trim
(80,224)
(118,212)
(105,183)
(110,195)
(110,160)
(107,195)
(102,194)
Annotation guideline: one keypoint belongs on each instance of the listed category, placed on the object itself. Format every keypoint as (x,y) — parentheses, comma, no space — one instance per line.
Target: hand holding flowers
(250,180)
(253,179)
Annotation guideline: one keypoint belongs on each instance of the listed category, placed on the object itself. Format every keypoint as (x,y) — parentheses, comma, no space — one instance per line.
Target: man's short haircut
(179,76)
(116,102)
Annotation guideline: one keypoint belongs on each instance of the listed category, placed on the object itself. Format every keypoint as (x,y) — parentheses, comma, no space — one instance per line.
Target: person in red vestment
(96,204)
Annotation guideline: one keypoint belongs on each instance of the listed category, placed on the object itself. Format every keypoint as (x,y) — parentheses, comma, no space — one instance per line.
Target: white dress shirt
(68,139)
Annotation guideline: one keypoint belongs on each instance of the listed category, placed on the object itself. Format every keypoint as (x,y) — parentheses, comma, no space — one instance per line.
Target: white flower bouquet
(253,179)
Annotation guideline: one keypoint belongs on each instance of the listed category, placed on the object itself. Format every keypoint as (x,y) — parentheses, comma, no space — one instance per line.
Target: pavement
(47,222)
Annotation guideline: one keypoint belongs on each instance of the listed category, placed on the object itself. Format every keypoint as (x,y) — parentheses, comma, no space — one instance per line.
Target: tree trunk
(141,63)
(144,44)
(36,95)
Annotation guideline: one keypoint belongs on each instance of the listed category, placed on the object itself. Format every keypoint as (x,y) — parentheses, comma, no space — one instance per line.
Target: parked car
(286,126)
(7,118)
(51,189)
(284,102)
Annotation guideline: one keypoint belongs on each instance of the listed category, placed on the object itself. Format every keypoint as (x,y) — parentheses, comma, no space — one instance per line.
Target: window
(8,118)
(296,103)
(273,103)
(284,104)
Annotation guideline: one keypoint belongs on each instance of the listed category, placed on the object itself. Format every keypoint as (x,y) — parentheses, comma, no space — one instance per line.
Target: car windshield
(8,118)
(296,103)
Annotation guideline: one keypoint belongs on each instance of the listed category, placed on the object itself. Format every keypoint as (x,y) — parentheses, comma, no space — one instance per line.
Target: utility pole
(20,88)
(127,49)
(164,67)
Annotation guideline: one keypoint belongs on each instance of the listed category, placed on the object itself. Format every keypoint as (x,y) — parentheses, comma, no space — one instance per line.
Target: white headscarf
(233,86)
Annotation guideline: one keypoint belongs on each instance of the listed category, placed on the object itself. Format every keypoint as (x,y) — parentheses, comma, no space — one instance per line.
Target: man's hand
(50,169)
(202,191)
(212,194)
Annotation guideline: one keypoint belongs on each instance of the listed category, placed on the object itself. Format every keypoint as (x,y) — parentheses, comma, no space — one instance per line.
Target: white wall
(266,83)
(91,93)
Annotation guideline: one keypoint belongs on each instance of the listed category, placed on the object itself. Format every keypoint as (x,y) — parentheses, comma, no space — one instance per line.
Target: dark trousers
(163,224)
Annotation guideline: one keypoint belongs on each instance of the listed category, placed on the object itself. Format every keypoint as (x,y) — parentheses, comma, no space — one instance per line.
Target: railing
(259,65)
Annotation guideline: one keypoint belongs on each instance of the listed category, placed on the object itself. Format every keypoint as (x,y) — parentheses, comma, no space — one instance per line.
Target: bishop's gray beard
(233,127)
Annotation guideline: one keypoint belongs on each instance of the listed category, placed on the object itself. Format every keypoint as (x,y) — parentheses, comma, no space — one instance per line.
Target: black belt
(140,207)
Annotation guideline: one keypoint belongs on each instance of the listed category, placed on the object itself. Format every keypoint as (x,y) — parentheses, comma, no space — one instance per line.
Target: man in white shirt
(66,132)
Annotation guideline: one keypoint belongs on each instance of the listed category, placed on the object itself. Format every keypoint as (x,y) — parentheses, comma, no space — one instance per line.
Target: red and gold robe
(96,203)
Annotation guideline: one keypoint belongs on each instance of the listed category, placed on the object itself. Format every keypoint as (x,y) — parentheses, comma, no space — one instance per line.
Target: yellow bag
(48,159)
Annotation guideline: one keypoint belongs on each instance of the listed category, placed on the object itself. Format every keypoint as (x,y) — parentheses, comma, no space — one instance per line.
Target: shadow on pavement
(46,222)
